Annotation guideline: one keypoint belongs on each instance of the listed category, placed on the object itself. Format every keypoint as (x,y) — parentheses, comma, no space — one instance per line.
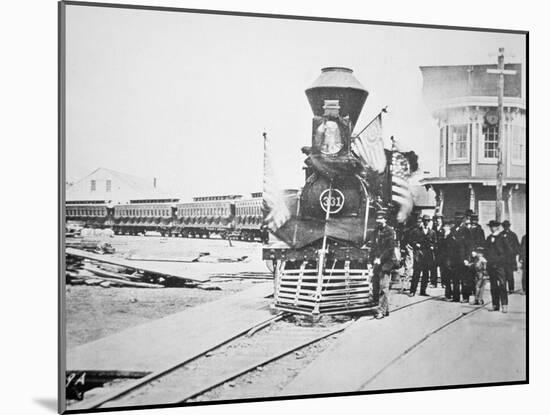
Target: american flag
(401,192)
(276,212)
(369,146)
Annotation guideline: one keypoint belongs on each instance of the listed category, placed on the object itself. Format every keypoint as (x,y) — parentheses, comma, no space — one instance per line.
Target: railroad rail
(218,365)
(421,341)
(372,353)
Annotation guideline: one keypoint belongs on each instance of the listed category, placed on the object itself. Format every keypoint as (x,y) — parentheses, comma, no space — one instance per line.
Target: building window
(489,141)
(459,144)
(108,186)
(518,145)
(92,185)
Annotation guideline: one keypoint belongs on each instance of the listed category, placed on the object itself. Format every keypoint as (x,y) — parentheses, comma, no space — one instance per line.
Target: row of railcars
(223,216)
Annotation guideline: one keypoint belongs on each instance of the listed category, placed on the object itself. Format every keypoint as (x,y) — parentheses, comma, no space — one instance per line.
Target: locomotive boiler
(321,264)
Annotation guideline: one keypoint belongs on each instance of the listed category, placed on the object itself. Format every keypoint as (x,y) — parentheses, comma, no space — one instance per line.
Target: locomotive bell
(337,84)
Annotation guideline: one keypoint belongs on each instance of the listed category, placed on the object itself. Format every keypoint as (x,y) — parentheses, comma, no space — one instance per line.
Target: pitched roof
(123,188)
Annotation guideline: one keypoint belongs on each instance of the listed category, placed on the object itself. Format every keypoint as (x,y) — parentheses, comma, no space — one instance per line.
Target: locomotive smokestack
(337,84)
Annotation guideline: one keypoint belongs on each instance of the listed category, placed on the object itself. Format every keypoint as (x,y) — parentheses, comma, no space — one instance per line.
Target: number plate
(336,200)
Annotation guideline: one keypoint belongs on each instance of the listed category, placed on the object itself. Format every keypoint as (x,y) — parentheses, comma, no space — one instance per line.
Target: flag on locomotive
(321,262)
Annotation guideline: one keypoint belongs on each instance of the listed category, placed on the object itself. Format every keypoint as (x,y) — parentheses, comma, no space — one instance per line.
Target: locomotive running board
(342,291)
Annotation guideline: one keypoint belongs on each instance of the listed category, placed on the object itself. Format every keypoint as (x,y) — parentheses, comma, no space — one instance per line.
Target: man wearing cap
(512,250)
(496,260)
(382,255)
(423,243)
(461,272)
(439,233)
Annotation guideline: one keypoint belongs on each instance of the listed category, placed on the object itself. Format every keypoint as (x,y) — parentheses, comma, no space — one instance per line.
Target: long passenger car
(135,218)
(249,218)
(201,219)
(92,214)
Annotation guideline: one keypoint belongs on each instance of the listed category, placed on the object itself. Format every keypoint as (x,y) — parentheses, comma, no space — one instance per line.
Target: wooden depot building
(463,101)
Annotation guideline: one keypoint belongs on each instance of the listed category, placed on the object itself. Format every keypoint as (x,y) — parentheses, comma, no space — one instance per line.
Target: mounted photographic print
(262,207)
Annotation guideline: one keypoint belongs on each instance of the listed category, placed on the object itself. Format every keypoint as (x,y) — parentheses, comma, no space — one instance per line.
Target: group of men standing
(451,248)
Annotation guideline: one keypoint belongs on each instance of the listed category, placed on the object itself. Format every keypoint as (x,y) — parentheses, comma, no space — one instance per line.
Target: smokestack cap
(337,83)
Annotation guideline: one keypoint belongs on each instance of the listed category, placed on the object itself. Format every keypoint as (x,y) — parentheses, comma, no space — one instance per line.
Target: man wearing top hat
(476,231)
(450,252)
(423,243)
(382,255)
(496,251)
(512,246)
(464,247)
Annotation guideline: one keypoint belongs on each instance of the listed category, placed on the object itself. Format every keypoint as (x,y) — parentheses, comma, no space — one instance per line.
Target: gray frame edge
(61,333)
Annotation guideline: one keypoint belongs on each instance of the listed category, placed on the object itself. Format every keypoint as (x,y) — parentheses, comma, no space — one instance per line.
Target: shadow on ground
(48,403)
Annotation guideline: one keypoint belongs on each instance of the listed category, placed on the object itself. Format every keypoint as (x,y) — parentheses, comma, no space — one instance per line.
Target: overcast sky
(185,97)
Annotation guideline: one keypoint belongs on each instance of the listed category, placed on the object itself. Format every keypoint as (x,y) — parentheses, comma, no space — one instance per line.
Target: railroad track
(420,342)
(260,345)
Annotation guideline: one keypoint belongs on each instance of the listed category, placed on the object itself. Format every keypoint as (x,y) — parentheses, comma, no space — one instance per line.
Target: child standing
(479,265)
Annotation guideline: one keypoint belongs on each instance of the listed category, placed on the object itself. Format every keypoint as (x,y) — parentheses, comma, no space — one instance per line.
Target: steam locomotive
(321,258)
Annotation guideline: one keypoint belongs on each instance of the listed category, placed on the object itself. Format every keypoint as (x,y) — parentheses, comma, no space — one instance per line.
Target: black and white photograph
(266,207)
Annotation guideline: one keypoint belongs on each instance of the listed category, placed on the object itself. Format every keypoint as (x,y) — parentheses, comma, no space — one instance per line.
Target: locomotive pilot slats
(325,302)
(307,310)
(325,285)
(338,290)
(332,298)
(329,294)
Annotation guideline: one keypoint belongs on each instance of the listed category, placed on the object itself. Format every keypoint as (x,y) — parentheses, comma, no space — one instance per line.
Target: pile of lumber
(84,267)
(109,271)
(86,272)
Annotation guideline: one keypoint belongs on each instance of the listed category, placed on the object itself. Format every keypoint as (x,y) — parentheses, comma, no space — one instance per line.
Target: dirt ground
(93,312)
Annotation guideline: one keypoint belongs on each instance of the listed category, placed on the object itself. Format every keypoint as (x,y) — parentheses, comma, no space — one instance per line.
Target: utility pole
(500,71)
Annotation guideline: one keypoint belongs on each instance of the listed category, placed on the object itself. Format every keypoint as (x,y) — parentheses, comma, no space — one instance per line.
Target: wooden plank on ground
(368,346)
(176,338)
(161,268)
(470,351)
(112,277)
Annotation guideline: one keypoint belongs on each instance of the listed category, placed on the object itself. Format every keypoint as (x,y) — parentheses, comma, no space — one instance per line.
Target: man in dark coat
(423,243)
(464,248)
(476,231)
(512,245)
(382,255)
(450,251)
(439,233)
(524,263)
(496,261)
